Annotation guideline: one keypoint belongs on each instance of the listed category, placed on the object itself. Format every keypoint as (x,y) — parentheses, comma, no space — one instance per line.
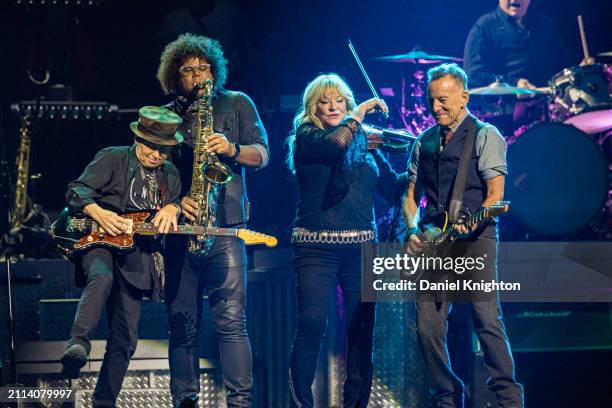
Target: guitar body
(436,228)
(75,233)
(434,224)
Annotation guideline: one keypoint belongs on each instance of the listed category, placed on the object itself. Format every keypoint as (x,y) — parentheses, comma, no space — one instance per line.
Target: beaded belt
(302,235)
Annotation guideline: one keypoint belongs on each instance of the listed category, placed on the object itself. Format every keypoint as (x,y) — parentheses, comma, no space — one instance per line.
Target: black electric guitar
(437,229)
(76,233)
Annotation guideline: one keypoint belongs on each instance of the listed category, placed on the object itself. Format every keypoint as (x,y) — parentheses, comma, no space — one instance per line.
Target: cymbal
(416,56)
(503,88)
(605,54)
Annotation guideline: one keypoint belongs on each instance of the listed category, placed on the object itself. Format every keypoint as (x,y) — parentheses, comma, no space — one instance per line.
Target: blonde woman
(337,176)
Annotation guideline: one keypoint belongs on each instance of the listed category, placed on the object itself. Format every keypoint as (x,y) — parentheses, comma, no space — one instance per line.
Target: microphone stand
(8,245)
(11,241)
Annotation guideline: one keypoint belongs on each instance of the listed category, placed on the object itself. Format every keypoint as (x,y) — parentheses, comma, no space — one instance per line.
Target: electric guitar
(76,233)
(438,231)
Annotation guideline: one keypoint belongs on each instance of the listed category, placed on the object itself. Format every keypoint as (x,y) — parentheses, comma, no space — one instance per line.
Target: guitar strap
(456,203)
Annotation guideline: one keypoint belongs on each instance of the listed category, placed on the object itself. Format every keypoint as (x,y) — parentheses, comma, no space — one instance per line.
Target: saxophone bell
(216,172)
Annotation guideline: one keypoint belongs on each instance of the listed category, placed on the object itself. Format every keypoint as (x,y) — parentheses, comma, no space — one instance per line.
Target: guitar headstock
(254,238)
(498,208)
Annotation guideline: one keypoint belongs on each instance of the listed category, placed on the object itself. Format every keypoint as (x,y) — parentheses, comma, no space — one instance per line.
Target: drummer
(514,46)
(521,49)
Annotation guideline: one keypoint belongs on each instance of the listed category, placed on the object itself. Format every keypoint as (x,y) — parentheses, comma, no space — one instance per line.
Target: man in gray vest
(433,169)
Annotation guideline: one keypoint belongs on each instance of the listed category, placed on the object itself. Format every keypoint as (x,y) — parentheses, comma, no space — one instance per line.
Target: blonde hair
(314,92)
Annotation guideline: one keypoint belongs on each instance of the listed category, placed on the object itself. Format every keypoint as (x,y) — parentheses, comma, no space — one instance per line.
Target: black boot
(73,360)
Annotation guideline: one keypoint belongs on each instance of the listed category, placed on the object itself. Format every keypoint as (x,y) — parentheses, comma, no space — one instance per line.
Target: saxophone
(209,174)
(23,173)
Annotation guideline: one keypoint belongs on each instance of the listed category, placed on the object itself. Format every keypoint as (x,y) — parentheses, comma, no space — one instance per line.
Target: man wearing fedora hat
(119,180)
(240,141)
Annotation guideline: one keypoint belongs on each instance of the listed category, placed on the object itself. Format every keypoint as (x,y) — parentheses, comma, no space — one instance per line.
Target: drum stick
(585,47)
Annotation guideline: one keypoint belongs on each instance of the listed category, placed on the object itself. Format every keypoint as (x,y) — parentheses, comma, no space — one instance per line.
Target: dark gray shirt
(235,116)
(497,46)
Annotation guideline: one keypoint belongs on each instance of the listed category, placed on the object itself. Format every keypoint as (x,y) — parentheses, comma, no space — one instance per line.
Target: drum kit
(559,159)
(560,162)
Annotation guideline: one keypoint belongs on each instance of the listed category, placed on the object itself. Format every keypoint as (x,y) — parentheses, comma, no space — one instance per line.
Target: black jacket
(105,181)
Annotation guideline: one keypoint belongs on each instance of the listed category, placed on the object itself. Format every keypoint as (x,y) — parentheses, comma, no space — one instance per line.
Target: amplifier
(558,326)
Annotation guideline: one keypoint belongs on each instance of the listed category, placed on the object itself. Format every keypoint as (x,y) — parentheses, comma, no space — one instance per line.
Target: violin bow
(365,74)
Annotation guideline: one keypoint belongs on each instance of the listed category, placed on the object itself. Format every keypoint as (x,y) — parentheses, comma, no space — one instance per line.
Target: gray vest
(438,169)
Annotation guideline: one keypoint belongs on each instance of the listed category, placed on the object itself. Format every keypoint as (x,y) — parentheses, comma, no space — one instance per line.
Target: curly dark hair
(186,46)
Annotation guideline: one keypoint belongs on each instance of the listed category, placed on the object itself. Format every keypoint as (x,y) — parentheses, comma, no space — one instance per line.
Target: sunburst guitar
(74,234)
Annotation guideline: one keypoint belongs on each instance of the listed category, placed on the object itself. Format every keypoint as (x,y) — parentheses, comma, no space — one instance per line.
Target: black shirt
(106,181)
(337,177)
(144,192)
(498,47)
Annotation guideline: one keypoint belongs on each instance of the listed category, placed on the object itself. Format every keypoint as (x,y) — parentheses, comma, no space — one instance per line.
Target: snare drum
(582,96)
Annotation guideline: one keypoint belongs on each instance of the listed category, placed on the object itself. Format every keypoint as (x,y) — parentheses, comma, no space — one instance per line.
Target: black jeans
(432,314)
(316,266)
(223,273)
(106,286)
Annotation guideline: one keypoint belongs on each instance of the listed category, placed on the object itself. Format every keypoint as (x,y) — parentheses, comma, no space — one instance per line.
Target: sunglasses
(162,149)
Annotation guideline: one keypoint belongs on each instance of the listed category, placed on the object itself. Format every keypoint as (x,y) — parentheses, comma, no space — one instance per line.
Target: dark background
(110,52)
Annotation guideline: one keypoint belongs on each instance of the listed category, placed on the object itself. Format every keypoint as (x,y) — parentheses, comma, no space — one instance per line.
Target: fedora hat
(158,125)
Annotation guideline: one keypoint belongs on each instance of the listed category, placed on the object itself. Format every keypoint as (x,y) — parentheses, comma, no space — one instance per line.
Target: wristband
(237,151)
(411,231)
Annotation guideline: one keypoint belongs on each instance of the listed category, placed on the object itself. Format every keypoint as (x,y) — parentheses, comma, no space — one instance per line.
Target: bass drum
(558,179)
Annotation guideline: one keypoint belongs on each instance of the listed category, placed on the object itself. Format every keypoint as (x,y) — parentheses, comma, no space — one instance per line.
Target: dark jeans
(105,287)
(316,266)
(223,273)
(432,315)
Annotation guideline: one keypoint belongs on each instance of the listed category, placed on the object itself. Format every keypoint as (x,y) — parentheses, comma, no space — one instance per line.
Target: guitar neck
(146,228)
